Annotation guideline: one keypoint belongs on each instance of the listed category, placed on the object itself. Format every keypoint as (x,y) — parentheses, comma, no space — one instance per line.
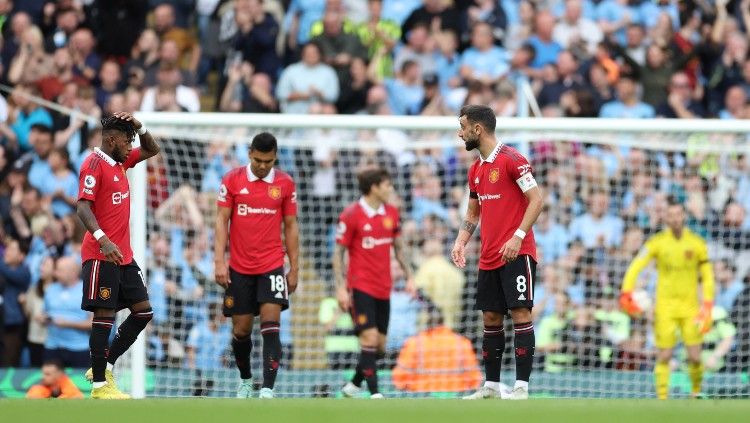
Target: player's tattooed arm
(468,227)
(107,247)
(402,257)
(339,253)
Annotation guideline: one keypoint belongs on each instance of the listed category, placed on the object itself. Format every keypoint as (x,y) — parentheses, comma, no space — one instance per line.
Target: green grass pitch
(365,411)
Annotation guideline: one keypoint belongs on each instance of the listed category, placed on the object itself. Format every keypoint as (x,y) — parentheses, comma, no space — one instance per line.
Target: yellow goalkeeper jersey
(678,263)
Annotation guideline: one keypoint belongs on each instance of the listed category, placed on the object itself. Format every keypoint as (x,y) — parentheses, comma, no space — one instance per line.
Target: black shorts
(370,312)
(507,287)
(247,292)
(107,285)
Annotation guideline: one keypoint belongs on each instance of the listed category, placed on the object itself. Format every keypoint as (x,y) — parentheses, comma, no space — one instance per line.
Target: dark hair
(371,176)
(54,362)
(63,152)
(673,201)
(44,129)
(111,123)
(264,142)
(482,115)
(530,49)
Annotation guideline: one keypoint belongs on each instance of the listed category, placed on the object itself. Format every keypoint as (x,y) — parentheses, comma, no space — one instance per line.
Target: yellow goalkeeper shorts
(665,331)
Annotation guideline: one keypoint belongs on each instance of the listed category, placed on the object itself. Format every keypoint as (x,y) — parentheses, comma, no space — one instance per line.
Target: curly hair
(112,123)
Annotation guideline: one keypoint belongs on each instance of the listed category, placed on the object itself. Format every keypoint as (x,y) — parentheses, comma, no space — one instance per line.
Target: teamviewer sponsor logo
(244,210)
(117,197)
(369,242)
(490,197)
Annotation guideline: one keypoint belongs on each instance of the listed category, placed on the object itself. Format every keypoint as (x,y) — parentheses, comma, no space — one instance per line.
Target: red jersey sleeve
(289,206)
(345,229)
(472,182)
(89,181)
(133,158)
(520,171)
(226,194)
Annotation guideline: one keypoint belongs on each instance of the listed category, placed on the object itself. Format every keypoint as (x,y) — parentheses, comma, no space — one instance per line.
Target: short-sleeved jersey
(499,183)
(368,235)
(678,263)
(103,182)
(258,208)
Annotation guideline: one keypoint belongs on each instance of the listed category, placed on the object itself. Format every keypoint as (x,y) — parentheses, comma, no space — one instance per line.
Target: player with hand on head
(367,230)
(112,280)
(505,196)
(257,199)
(681,258)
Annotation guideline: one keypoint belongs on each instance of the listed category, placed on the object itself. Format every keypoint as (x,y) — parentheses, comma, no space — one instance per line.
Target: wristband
(520,233)
(98,234)
(142,130)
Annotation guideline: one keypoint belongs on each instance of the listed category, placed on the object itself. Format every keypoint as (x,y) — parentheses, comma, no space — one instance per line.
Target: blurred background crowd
(581,58)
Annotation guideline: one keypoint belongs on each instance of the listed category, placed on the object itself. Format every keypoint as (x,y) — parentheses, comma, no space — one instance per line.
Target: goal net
(605,183)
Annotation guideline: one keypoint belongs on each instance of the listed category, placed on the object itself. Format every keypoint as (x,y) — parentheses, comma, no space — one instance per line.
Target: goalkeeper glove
(628,304)
(703,319)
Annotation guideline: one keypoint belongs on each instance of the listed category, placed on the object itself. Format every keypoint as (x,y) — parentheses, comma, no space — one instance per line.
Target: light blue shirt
(725,114)
(492,63)
(546,52)
(309,11)
(553,242)
(300,78)
(423,207)
(399,10)
(725,296)
(40,173)
(404,99)
(588,10)
(69,186)
(650,12)
(403,320)
(22,125)
(617,109)
(62,302)
(157,279)
(612,11)
(587,229)
(210,346)
(447,68)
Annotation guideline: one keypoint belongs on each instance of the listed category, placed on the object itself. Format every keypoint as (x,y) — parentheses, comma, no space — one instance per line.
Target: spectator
(354,99)
(521,23)
(627,105)
(109,82)
(546,48)
(490,12)
(550,236)
(170,94)
(299,19)
(438,15)
(15,277)
(740,318)
(144,59)
(307,82)
(734,103)
(248,92)
(427,201)
(79,125)
(568,80)
(207,349)
(256,39)
(40,172)
(33,306)
(420,48)
(62,188)
(447,62)
(68,325)
(66,22)
(483,61)
(680,103)
(379,36)
(338,47)
(405,93)
(440,281)
(718,341)
(23,117)
(597,227)
(730,230)
(189,49)
(13,39)
(549,336)
(437,360)
(54,384)
(575,32)
(341,344)
(31,63)
(728,286)
(635,46)
(615,16)
(86,62)
(404,313)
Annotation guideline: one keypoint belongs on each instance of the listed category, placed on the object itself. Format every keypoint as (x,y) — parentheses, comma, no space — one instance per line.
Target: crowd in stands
(582,58)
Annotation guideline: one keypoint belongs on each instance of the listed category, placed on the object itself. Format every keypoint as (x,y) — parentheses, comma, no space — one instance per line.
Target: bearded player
(505,196)
(112,280)
(257,199)
(681,258)
(368,229)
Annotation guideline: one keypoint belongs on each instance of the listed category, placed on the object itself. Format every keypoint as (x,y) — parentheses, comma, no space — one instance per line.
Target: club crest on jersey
(223,193)
(89,181)
(274,192)
(388,223)
(688,254)
(105,293)
(494,175)
(229,301)
(362,319)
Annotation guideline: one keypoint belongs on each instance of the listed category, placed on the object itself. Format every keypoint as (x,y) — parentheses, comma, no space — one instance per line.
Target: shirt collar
(105,156)
(268,179)
(491,158)
(369,211)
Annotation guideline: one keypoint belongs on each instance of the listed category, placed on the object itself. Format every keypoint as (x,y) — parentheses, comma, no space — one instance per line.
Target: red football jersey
(103,182)
(258,207)
(500,182)
(368,235)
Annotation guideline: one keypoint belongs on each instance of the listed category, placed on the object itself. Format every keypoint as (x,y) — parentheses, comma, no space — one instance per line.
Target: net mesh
(585,346)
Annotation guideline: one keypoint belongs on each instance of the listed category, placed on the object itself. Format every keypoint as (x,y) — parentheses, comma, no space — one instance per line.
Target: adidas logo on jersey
(117,179)
(522,297)
(244,191)
(279,295)
(367,228)
(476,180)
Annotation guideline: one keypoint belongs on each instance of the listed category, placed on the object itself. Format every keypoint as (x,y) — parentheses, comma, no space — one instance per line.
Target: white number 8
(278,283)
(521,283)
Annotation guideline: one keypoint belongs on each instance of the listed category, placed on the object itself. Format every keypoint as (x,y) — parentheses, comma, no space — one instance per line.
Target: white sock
(246,380)
(492,385)
(522,384)
(98,385)
(110,366)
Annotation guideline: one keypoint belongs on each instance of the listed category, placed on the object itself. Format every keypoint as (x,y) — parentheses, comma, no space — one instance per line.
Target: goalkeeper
(680,256)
